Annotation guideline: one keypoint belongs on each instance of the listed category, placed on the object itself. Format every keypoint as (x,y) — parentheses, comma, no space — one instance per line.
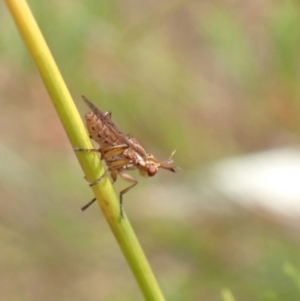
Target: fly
(120,152)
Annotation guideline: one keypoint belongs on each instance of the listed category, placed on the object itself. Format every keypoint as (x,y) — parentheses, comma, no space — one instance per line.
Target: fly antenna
(170,160)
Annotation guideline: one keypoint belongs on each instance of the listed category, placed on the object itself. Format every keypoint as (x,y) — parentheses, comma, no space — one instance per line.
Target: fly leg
(83,208)
(130,179)
(113,169)
(110,155)
(113,173)
(99,179)
(86,206)
(106,153)
(113,166)
(88,150)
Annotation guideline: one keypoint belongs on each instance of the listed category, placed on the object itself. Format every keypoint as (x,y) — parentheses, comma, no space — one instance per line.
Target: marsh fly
(120,152)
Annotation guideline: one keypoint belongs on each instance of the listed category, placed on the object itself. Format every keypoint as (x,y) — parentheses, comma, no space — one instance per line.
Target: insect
(120,152)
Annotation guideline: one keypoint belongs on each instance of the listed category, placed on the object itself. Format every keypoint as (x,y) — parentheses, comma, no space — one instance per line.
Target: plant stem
(76,133)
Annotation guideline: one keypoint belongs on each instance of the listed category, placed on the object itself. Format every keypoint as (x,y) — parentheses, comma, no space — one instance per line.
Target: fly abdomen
(99,131)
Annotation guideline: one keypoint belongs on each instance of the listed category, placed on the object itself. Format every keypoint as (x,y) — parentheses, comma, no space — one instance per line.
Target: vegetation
(211,79)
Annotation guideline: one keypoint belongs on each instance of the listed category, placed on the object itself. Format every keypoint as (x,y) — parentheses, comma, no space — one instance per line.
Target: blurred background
(216,80)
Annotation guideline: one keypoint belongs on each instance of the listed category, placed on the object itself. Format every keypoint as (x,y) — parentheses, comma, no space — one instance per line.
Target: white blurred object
(268,180)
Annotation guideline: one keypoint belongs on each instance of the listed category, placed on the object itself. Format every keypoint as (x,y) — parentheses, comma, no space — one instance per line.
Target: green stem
(90,163)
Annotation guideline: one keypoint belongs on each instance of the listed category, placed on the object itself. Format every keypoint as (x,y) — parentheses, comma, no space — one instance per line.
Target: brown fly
(120,152)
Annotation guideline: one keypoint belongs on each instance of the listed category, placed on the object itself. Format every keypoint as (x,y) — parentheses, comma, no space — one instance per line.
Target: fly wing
(105,118)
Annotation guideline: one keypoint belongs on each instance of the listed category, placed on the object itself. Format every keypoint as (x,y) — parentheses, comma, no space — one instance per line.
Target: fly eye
(151,170)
